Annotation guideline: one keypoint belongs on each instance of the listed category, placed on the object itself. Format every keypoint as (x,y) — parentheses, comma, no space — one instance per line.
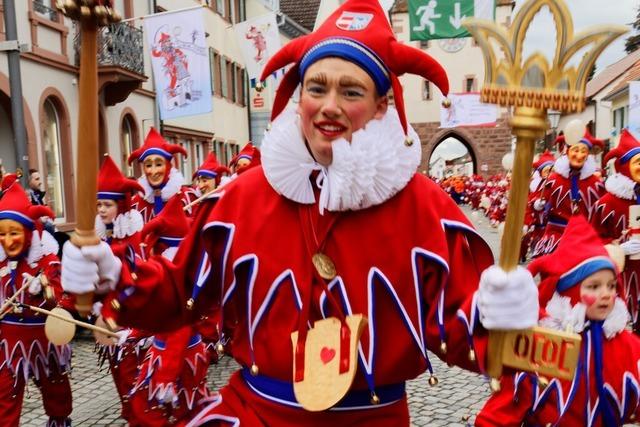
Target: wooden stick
(199,199)
(87,160)
(74,321)
(8,303)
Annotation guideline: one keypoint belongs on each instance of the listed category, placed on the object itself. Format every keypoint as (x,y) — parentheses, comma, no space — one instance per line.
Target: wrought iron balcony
(119,45)
(45,10)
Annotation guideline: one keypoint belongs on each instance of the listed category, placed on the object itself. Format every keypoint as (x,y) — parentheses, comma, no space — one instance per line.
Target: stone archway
(447,138)
(486,144)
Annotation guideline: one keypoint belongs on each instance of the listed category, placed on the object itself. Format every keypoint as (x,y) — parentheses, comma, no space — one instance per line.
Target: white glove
(631,247)
(507,300)
(96,309)
(539,204)
(123,335)
(35,286)
(109,266)
(89,269)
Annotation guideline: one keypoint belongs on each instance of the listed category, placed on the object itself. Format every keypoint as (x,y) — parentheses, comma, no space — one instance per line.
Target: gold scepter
(91,14)
(532,86)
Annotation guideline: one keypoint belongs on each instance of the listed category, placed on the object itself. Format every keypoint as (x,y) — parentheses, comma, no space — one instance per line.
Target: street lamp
(554,120)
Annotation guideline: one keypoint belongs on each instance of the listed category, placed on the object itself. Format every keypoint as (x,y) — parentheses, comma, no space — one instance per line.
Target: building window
(53,159)
(470,84)
(231,72)
(46,9)
(618,119)
(220,7)
(241,11)
(127,138)
(426,90)
(241,86)
(198,155)
(224,81)
(220,152)
(185,164)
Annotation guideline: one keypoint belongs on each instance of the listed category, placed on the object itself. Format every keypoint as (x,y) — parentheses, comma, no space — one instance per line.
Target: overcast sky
(585,13)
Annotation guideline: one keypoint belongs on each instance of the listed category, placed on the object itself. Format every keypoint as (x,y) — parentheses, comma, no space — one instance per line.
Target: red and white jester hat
(16,206)
(546,159)
(154,143)
(579,254)
(359,32)
(626,149)
(113,185)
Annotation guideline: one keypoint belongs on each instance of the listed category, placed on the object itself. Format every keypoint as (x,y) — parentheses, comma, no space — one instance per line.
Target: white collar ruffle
(42,244)
(124,225)
(561,315)
(371,169)
(621,186)
(562,167)
(174,184)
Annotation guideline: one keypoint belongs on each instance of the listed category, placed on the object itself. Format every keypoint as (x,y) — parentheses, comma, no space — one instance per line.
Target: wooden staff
(90,16)
(9,303)
(199,199)
(70,320)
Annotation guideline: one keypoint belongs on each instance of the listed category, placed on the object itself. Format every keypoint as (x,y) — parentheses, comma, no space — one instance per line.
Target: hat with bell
(359,32)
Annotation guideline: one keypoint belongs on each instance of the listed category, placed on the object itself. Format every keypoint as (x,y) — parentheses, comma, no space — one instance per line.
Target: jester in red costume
(572,189)
(610,216)
(535,216)
(28,257)
(338,185)
(259,42)
(209,174)
(161,180)
(579,290)
(172,377)
(119,225)
(175,63)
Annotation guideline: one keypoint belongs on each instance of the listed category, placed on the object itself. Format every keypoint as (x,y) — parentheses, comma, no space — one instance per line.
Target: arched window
(127,138)
(53,158)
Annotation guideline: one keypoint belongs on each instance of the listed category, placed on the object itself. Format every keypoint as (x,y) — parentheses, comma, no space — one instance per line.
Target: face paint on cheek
(588,300)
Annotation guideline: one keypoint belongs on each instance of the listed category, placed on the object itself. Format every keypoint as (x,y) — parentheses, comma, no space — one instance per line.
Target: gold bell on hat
(494,385)
(220,349)
(443,347)
(472,355)
(408,141)
(446,103)
(375,400)
(254,370)
(115,304)
(433,381)
(190,303)
(543,382)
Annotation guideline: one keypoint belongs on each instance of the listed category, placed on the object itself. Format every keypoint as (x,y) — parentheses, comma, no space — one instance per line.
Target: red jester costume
(335,225)
(606,386)
(573,188)
(610,216)
(161,180)
(25,351)
(172,377)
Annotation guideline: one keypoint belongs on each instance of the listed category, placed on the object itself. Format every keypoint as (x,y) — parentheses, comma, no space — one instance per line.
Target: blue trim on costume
(583,270)
(172,242)
(586,142)
(162,345)
(244,156)
(575,189)
(158,151)
(109,195)
(352,51)
(629,155)
(17,319)
(282,392)
(18,217)
(544,165)
(604,407)
(206,173)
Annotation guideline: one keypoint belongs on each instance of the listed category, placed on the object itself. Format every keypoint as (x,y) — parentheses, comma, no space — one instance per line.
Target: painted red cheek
(589,300)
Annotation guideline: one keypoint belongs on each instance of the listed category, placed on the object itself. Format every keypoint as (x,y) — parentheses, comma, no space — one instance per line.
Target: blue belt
(282,392)
(20,320)
(162,345)
(558,222)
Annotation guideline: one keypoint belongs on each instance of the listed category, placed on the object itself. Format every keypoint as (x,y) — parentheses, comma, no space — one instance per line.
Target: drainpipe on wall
(15,84)
(157,123)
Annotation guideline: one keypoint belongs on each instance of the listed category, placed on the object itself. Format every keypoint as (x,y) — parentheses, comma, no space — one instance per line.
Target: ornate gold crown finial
(532,82)
(101,12)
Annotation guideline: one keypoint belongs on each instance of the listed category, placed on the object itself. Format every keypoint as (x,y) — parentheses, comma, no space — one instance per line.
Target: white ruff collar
(173,185)
(561,315)
(41,245)
(124,225)
(621,186)
(563,168)
(366,172)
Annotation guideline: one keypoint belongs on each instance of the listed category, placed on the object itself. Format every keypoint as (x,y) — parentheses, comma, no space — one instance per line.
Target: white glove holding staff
(507,300)
(631,247)
(89,269)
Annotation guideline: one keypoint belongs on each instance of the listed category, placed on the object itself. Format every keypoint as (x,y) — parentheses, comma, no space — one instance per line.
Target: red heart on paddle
(327,354)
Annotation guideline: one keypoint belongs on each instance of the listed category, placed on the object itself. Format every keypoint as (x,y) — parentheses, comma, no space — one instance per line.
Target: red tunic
(415,283)
(144,204)
(557,193)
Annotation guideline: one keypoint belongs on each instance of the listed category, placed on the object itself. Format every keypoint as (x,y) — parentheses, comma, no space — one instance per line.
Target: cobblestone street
(458,395)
